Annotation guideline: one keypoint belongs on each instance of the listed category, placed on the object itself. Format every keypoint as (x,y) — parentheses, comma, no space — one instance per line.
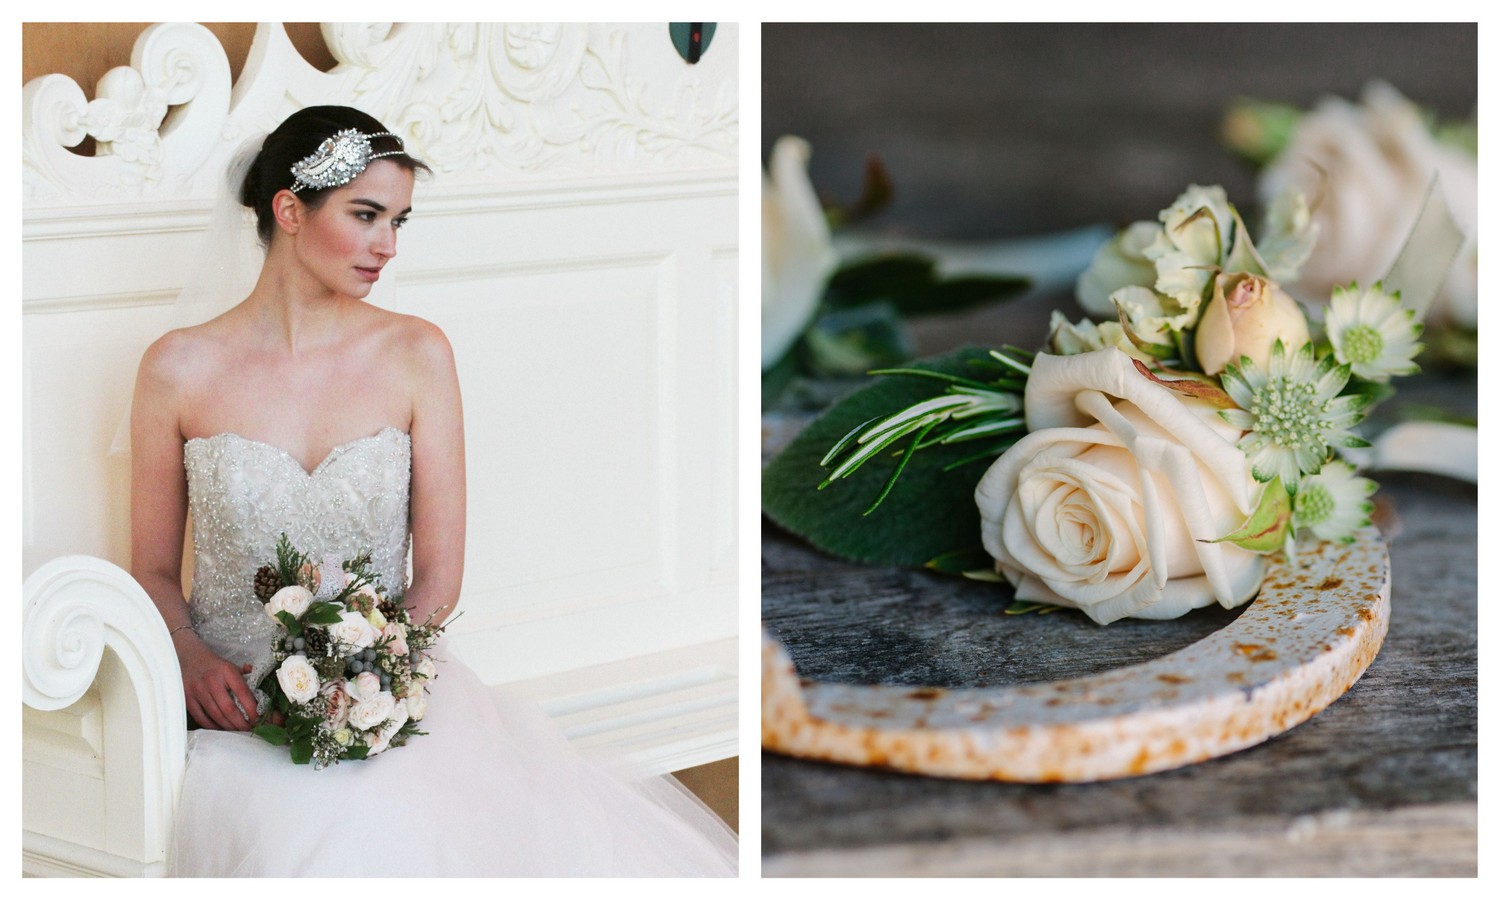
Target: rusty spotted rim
(1314,628)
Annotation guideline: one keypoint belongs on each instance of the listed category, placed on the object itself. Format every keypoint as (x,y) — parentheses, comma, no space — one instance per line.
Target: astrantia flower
(1334,502)
(1373,333)
(1292,412)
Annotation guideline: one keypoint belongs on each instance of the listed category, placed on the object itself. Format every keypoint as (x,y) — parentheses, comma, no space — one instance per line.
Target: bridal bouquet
(351,667)
(1146,460)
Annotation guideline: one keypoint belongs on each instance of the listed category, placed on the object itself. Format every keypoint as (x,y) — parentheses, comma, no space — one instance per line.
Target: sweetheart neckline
(333,453)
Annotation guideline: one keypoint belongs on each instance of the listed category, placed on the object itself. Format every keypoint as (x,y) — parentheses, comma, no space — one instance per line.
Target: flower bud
(1246,317)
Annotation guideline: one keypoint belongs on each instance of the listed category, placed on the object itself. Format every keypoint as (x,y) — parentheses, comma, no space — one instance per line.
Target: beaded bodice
(243,494)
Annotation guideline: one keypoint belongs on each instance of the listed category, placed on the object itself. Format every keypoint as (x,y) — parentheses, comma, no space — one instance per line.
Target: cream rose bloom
(366,714)
(1368,166)
(353,630)
(298,679)
(1105,505)
(380,739)
(295,600)
(796,250)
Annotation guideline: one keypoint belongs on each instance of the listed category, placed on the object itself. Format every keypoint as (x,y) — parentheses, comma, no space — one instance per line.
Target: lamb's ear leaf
(929,513)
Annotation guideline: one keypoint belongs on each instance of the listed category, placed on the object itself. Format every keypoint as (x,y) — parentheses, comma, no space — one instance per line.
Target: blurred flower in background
(1366,168)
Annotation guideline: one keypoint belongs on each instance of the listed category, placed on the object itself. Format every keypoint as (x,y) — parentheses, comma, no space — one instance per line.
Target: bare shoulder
(421,345)
(178,357)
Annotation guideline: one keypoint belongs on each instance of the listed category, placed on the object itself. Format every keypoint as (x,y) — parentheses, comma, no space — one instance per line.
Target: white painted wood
(1313,630)
(578,244)
(103,732)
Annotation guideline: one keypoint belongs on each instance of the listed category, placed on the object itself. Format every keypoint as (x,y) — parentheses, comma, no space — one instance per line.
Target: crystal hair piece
(339,159)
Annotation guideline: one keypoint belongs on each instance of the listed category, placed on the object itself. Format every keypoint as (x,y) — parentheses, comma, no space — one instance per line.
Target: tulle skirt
(493,789)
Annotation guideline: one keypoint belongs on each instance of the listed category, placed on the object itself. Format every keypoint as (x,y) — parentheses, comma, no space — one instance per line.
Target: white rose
(416,705)
(379,740)
(295,600)
(298,679)
(353,631)
(363,686)
(1193,240)
(1369,167)
(1121,262)
(796,252)
(366,714)
(1065,515)
(424,669)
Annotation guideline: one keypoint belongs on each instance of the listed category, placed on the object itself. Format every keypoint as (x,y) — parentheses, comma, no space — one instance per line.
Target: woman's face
(347,240)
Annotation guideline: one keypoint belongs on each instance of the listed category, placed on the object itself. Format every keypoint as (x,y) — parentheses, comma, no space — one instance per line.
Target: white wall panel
(586,280)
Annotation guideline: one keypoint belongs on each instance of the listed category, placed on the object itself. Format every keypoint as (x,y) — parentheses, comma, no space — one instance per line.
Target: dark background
(1003,130)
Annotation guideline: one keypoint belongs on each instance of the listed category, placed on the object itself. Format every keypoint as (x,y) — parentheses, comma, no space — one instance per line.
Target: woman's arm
(437,475)
(158,521)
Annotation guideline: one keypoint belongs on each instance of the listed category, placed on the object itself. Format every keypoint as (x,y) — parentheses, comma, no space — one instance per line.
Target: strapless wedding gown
(492,789)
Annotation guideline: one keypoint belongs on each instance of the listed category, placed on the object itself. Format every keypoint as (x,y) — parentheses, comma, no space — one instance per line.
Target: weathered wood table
(1382,782)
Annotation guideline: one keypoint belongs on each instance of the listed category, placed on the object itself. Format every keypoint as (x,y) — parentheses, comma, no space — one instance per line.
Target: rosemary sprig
(975,409)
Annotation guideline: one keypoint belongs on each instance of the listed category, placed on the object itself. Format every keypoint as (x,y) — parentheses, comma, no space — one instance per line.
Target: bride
(305,410)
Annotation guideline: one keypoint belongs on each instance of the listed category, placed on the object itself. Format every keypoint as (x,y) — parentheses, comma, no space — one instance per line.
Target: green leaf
(1266,529)
(929,513)
(850,342)
(358,751)
(290,623)
(302,752)
(321,613)
(271,734)
(957,562)
(775,380)
(912,283)
(1026,607)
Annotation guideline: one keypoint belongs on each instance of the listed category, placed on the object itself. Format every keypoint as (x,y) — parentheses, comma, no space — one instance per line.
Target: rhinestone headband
(339,159)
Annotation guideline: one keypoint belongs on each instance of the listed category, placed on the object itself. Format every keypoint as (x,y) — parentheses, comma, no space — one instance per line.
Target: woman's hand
(211,685)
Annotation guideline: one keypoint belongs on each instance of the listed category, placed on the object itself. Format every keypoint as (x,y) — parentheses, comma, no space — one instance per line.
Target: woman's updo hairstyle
(296,139)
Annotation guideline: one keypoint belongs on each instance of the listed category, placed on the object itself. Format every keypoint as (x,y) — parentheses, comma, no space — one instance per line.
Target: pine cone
(390,609)
(267,583)
(315,642)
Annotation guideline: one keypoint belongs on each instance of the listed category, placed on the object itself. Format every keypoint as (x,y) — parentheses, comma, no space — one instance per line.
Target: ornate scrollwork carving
(479,101)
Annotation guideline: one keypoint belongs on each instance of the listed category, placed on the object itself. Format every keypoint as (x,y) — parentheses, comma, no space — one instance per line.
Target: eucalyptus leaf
(929,513)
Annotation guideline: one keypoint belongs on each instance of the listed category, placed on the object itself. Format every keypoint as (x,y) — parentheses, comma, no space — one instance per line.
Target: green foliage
(322,613)
(1268,526)
(290,623)
(272,734)
(288,560)
(913,285)
(930,513)
(302,752)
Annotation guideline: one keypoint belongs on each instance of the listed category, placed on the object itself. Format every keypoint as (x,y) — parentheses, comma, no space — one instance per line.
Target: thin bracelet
(179,628)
